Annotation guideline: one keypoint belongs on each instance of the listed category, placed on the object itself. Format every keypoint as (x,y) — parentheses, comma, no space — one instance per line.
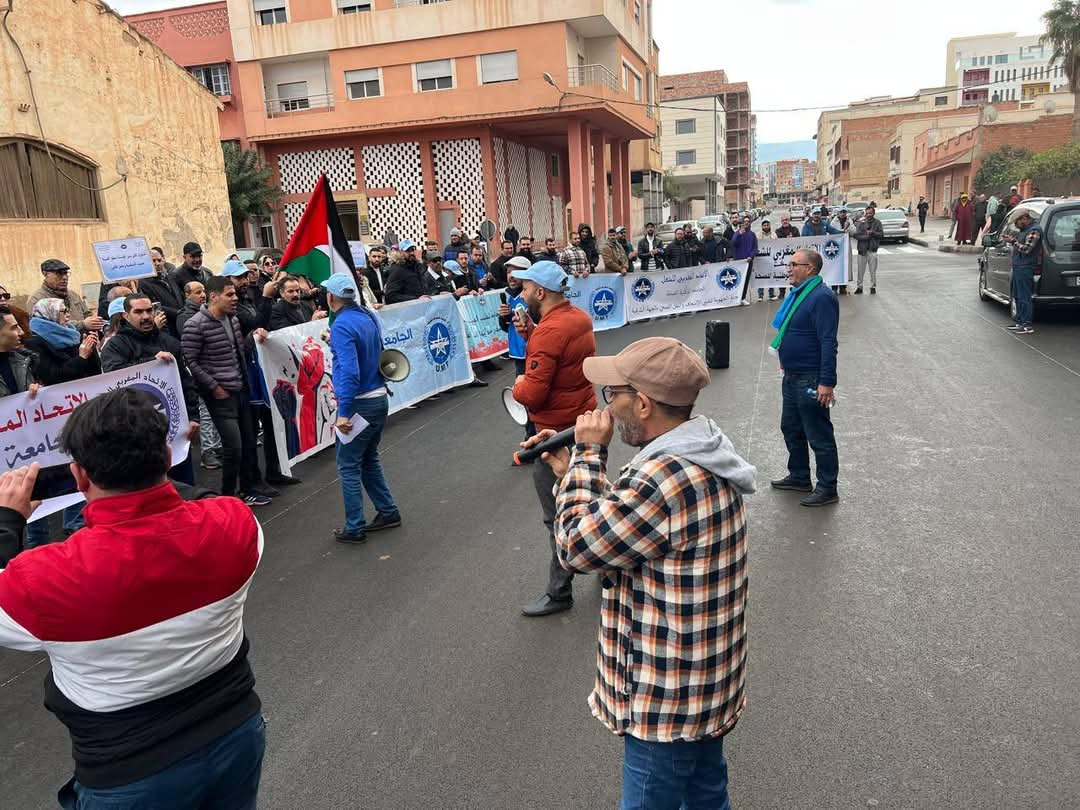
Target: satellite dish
(487,230)
(990,113)
(1050,106)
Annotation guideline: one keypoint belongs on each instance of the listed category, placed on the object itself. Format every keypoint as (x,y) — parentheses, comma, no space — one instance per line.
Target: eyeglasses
(609,393)
(5,296)
(799,264)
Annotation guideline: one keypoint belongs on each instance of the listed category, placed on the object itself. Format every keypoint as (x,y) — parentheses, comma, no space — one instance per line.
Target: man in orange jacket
(555,392)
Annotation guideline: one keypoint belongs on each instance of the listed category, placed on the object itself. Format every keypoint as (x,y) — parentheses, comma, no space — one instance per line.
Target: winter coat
(868,235)
(213,359)
(190,308)
(163,291)
(614,257)
(405,282)
(54,365)
(679,254)
(283,314)
(185,273)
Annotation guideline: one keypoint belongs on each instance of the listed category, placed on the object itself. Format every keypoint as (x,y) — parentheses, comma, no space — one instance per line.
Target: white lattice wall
(396,166)
(459,177)
(558,218)
(300,170)
(519,187)
(502,211)
(538,189)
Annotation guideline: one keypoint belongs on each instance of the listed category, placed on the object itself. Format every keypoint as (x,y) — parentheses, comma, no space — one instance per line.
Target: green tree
(1058,164)
(1063,35)
(1001,169)
(672,189)
(251,190)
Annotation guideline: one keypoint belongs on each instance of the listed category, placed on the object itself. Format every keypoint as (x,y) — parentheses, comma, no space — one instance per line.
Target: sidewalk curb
(943,247)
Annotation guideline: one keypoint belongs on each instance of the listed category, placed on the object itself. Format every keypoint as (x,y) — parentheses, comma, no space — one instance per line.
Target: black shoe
(282,480)
(351,538)
(478,383)
(873,290)
(545,606)
(858,291)
(210,461)
(820,497)
(254,499)
(382,521)
(264,489)
(794,486)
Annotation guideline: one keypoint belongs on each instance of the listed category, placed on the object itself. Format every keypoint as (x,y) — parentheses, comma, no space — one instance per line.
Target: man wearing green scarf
(805,340)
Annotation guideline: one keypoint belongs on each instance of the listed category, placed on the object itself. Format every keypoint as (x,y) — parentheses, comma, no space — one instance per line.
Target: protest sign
(770,265)
(602,295)
(30,426)
(688,289)
(432,335)
(296,364)
(480,314)
(359,254)
(121,259)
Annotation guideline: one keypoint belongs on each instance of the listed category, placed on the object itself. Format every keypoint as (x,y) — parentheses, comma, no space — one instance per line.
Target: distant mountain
(768,152)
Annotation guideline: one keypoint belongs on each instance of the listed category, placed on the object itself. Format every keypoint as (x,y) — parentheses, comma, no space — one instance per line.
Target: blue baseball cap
(341,285)
(116,306)
(406,244)
(548,275)
(453,267)
(234,268)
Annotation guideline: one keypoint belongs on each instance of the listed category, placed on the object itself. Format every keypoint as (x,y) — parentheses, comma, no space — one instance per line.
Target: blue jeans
(359,467)
(1023,289)
(804,422)
(223,775)
(37,533)
(671,776)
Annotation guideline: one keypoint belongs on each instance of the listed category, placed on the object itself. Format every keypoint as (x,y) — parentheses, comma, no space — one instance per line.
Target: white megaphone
(394,365)
(514,408)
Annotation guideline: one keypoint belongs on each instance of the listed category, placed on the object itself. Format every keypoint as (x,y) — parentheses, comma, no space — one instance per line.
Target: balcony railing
(592,76)
(276,107)
(407,3)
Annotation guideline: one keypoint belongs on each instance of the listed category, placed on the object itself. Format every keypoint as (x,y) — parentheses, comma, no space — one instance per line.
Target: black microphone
(563,438)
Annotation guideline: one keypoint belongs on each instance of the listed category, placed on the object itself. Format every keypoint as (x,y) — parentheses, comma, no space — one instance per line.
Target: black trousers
(234,419)
(560,581)
(922,222)
(265,420)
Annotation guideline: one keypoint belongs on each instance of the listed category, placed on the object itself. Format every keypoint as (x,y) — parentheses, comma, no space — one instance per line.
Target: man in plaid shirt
(573,258)
(669,537)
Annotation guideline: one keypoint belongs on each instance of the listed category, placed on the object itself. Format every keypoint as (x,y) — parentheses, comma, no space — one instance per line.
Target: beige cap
(663,369)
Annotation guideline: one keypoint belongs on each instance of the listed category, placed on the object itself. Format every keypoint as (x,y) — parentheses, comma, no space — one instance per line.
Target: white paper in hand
(359,424)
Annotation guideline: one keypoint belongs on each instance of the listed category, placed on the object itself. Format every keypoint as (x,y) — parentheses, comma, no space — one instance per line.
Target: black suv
(1057,276)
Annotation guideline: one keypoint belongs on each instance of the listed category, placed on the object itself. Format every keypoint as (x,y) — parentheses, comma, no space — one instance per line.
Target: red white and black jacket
(141,614)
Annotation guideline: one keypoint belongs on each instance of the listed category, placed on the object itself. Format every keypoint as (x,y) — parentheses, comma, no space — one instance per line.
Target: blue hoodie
(517,342)
(356,343)
(822,228)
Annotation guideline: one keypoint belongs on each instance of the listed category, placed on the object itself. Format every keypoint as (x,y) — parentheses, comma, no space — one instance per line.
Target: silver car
(894,223)
(667,231)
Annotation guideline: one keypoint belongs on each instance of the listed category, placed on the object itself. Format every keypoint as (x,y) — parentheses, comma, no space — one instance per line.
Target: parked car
(667,231)
(1057,276)
(856,209)
(894,223)
(718,222)
(797,212)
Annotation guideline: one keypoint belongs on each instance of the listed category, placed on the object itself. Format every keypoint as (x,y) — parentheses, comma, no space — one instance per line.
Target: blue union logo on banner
(603,303)
(643,289)
(440,343)
(728,278)
(831,249)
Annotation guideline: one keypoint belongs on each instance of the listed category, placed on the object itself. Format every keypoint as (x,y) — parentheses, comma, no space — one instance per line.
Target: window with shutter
(34,187)
(498,67)
(363,83)
(270,12)
(436,75)
(353,6)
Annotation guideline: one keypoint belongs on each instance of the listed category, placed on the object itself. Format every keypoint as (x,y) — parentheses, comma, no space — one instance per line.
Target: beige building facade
(134,141)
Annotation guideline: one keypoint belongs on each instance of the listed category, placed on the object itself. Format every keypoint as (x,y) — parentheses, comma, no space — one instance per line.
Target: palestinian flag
(318,248)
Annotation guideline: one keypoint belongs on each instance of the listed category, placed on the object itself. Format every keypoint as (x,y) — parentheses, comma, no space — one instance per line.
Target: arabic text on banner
(602,295)
(432,335)
(30,427)
(121,259)
(296,365)
(480,314)
(770,265)
(688,289)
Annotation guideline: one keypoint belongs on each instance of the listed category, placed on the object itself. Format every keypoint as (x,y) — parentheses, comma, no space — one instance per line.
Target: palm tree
(1063,35)
(251,190)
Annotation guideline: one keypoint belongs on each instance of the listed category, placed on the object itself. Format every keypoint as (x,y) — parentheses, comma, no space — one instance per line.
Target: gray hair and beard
(632,432)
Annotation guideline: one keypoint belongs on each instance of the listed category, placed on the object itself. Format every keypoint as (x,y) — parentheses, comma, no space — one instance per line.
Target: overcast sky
(809,53)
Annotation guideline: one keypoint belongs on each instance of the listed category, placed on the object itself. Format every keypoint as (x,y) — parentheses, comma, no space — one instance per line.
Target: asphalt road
(915,646)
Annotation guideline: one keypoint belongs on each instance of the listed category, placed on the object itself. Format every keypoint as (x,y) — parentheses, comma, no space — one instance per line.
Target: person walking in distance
(141,614)
(922,208)
(669,537)
(356,345)
(554,391)
(806,324)
(1026,248)
(868,235)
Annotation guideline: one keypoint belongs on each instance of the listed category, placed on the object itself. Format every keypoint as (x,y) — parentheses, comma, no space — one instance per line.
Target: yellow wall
(106,93)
